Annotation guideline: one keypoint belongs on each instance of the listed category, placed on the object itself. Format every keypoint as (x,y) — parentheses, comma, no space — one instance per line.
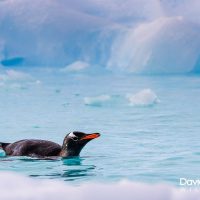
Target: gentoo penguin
(72,145)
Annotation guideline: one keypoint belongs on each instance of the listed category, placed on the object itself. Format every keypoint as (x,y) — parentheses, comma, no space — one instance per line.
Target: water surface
(153,143)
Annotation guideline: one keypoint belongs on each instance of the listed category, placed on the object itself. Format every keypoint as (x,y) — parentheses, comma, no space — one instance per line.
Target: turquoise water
(153,143)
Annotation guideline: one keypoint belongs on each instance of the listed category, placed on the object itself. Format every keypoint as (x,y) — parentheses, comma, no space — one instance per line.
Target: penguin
(72,145)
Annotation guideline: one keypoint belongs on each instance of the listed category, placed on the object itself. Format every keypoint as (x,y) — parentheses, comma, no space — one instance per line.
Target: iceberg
(166,45)
(140,36)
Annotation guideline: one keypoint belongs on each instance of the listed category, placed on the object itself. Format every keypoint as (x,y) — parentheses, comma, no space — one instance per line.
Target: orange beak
(90,136)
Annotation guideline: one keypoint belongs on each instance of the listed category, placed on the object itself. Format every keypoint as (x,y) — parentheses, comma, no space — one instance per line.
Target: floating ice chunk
(97,101)
(145,97)
(17,75)
(75,67)
(12,75)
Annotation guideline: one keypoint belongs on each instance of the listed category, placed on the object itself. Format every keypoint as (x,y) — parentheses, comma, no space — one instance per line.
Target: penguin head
(75,141)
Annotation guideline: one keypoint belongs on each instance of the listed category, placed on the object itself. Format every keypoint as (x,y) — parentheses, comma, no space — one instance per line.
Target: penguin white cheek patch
(72,134)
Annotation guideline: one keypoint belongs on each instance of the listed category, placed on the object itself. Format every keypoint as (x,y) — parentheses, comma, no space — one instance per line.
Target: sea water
(153,141)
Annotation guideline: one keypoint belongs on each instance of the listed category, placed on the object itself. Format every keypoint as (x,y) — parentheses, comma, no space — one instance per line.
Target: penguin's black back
(33,148)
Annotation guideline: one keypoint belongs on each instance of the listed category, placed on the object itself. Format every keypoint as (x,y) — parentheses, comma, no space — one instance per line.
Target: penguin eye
(75,138)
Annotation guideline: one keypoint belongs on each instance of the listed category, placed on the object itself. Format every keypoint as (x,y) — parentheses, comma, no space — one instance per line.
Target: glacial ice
(140,36)
(165,45)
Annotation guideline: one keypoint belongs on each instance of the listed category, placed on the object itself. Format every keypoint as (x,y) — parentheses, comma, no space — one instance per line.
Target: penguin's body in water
(72,145)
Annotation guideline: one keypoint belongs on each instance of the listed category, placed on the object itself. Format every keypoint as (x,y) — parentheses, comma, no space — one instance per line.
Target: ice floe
(144,97)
